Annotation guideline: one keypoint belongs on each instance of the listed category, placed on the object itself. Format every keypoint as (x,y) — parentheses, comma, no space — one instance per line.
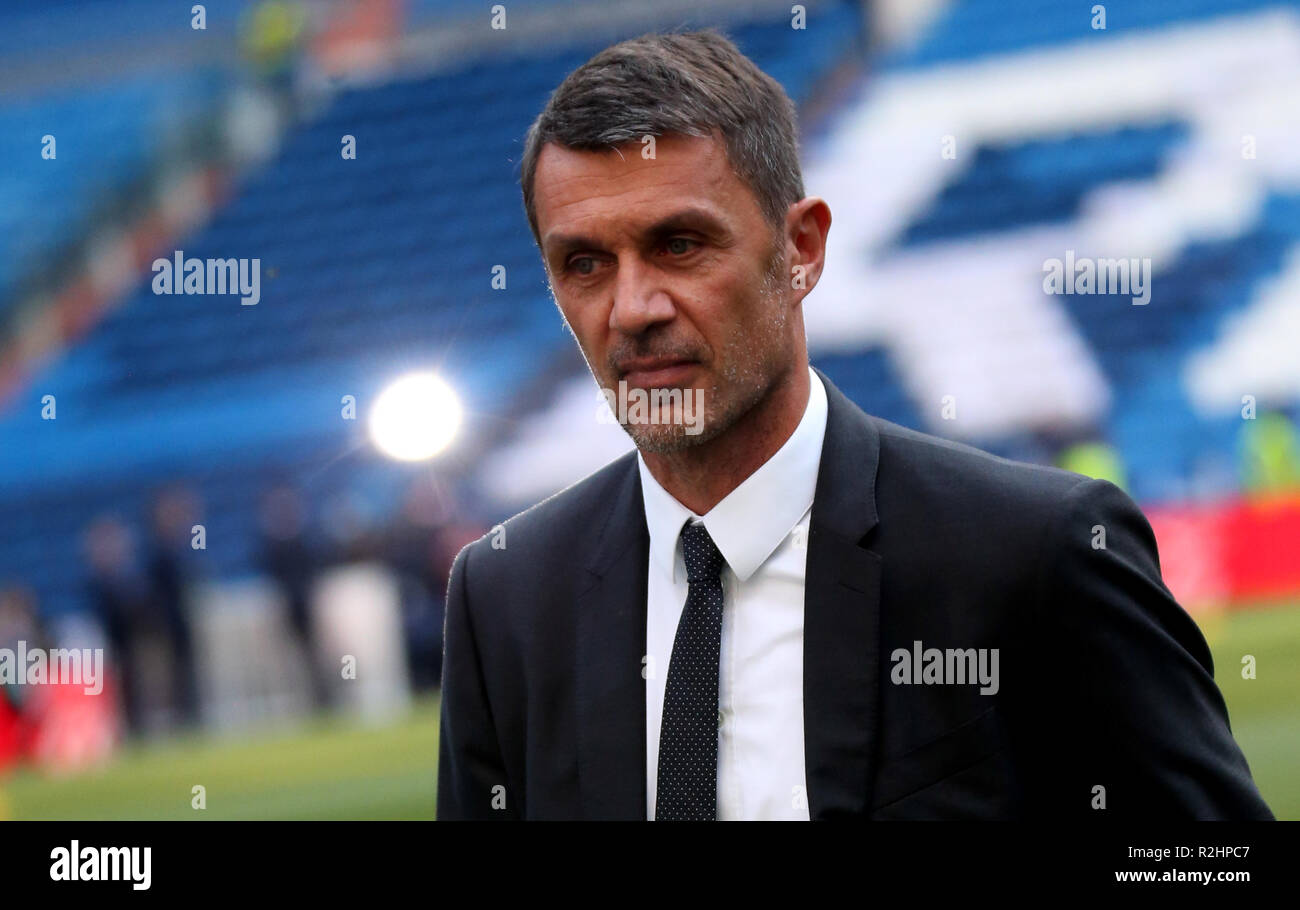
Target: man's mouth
(655,372)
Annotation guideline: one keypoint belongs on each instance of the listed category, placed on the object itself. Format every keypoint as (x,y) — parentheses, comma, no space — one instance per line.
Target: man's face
(669,277)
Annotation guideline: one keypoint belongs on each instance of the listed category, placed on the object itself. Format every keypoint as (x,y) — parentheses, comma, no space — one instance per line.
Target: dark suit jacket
(1104,680)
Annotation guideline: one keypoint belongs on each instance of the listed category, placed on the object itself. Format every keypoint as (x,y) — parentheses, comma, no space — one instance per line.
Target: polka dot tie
(687,788)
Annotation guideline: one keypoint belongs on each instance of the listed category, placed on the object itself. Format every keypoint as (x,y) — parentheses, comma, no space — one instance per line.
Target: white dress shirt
(761,528)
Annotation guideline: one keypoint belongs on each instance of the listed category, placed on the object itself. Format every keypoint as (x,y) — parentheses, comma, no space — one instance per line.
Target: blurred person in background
(351,531)
(18,623)
(292,560)
(271,40)
(170,567)
(122,601)
(1270,456)
(420,552)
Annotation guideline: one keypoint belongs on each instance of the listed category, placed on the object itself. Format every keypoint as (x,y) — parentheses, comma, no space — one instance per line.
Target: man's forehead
(592,188)
(651,152)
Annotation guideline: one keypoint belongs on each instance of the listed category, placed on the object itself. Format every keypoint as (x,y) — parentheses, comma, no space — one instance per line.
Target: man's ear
(808,221)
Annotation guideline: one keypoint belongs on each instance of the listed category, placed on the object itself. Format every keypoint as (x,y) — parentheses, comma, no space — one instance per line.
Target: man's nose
(640,298)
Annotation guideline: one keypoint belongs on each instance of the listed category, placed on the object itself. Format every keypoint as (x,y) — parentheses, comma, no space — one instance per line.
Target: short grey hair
(687,83)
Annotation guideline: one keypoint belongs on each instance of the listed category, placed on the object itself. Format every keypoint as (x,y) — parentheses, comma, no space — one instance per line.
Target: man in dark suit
(779,606)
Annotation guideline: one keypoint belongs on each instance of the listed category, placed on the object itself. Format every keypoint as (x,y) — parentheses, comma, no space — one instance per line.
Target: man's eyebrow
(694,218)
(558,246)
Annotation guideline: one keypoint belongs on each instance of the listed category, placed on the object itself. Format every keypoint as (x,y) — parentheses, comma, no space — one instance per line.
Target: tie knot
(704,560)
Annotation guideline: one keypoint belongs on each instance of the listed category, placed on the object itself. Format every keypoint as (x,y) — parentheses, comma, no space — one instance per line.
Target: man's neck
(701,476)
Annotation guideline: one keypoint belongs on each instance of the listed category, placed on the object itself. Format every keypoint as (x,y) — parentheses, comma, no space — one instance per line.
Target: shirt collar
(752,520)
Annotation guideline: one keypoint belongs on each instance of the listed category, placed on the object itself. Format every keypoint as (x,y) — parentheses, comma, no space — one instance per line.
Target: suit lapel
(610,649)
(842,618)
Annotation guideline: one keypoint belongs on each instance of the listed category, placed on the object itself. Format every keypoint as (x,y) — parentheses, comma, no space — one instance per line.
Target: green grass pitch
(338,769)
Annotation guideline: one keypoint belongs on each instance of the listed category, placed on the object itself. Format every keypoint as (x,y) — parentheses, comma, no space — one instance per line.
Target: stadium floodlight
(415,417)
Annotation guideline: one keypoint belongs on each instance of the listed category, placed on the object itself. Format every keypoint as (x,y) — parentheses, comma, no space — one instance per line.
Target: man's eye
(583,265)
(680,246)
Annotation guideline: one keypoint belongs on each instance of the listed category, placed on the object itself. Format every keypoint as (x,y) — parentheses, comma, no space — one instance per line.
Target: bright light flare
(415,417)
